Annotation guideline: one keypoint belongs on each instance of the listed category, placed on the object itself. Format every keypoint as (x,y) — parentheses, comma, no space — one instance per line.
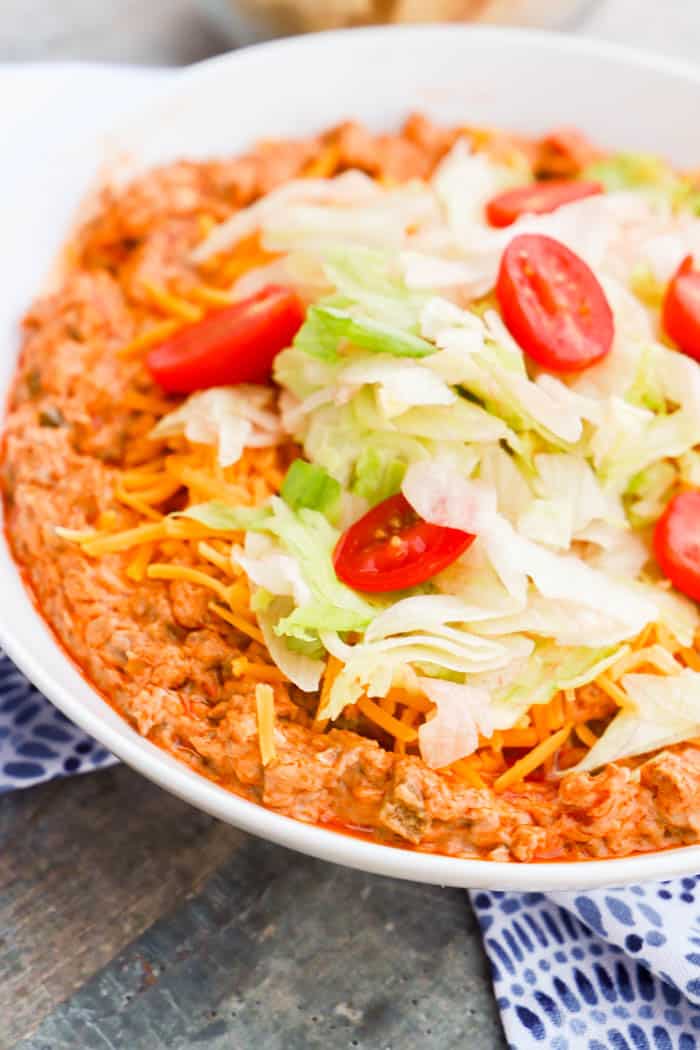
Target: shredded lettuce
(219,515)
(308,485)
(549,669)
(481,357)
(648,174)
(377,475)
(650,491)
(379,221)
(308,539)
(462,713)
(438,494)
(328,326)
(301,668)
(404,377)
(635,171)
(371,280)
(229,418)
(372,667)
(664,709)
(569,499)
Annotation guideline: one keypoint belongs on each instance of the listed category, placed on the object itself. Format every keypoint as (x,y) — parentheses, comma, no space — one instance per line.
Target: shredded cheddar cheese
(206,222)
(374,713)
(75,535)
(586,736)
(325,164)
(209,296)
(408,716)
(466,771)
(614,691)
(136,570)
(243,262)
(519,737)
(123,541)
(151,336)
(265,705)
(538,714)
(529,763)
(172,304)
(216,557)
(157,406)
(333,669)
(137,504)
(239,622)
(242,667)
(163,571)
(690,658)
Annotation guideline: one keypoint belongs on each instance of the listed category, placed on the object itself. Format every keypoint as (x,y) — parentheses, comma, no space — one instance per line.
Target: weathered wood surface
(128,920)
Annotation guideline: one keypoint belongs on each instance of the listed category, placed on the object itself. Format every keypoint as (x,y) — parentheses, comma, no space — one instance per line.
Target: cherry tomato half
(681,309)
(538,198)
(553,305)
(390,548)
(677,542)
(234,345)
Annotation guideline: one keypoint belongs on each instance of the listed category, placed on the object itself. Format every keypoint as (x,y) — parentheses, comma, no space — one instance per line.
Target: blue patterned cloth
(37,742)
(602,970)
(606,970)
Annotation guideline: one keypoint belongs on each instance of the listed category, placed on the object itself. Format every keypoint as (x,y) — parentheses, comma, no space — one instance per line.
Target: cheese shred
(374,713)
(530,762)
(265,705)
(239,622)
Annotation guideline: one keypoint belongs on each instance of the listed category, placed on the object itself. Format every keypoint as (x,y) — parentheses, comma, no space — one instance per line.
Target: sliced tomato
(553,305)
(236,344)
(538,198)
(681,308)
(677,542)
(391,547)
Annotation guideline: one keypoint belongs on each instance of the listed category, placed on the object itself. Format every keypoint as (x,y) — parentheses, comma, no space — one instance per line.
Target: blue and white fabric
(601,970)
(37,742)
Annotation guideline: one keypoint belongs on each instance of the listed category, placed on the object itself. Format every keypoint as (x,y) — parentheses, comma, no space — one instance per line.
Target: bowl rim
(315,840)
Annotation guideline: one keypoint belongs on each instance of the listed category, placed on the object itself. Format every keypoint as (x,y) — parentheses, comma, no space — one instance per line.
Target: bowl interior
(525,81)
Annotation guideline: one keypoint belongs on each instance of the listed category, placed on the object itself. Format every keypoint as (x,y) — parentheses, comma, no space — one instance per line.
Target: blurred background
(175,32)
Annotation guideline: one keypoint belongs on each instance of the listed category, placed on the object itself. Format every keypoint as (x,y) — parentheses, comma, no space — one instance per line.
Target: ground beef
(155,650)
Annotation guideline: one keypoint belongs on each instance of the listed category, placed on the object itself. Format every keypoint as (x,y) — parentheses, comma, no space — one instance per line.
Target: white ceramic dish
(528,81)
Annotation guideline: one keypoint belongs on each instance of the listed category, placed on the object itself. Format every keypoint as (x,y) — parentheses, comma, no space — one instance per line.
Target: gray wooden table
(128,921)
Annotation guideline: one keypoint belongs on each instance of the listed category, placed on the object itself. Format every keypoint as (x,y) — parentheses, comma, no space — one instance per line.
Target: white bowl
(528,81)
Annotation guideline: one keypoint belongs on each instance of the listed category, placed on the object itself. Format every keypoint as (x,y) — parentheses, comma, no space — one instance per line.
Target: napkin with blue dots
(602,970)
(607,970)
(37,742)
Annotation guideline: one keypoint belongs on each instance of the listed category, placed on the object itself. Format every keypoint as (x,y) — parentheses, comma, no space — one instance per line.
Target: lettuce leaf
(372,667)
(634,171)
(307,538)
(328,328)
(377,474)
(664,710)
(482,357)
(308,485)
(549,669)
(440,495)
(371,281)
(300,668)
(462,713)
(229,418)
